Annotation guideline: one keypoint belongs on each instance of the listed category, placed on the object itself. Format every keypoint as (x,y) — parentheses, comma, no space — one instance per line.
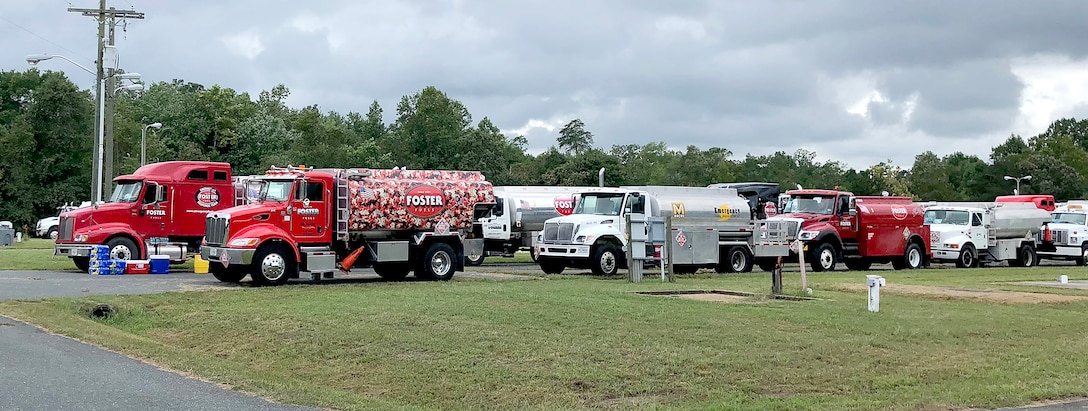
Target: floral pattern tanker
(416,199)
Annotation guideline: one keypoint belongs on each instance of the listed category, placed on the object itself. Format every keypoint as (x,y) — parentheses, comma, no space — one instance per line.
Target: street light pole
(1027,177)
(143,142)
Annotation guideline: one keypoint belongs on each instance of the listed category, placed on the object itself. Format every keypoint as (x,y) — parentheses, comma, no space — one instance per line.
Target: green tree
(429,129)
(929,180)
(574,138)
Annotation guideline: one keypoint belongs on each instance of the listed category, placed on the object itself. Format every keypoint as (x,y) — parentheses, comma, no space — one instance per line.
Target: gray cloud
(753,77)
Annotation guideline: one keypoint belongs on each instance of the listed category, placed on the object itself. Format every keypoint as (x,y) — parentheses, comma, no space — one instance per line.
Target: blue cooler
(160,264)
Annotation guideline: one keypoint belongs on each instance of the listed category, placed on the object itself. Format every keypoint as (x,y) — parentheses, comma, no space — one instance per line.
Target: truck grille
(215,231)
(558,232)
(1057,236)
(66,224)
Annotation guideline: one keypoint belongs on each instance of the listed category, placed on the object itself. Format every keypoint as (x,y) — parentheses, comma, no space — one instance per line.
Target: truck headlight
(244,242)
(81,238)
(952,246)
(808,235)
(580,239)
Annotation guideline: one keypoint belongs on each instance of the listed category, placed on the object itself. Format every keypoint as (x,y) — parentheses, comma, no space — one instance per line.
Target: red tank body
(416,199)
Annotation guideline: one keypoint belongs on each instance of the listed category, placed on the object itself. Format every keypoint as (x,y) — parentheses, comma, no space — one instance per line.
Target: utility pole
(106,17)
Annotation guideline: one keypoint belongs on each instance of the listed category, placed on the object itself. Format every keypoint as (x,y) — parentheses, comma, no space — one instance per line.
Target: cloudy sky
(855,81)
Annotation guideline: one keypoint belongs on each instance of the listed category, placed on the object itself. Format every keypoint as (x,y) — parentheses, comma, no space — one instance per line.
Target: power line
(73,52)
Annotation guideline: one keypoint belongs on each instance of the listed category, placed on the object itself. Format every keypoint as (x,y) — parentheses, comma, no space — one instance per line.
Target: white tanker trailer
(518,216)
(711,228)
(974,233)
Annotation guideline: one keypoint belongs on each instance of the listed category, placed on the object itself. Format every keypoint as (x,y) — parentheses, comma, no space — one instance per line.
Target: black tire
(82,263)
(912,258)
(474,263)
(606,260)
(1083,260)
(226,274)
(52,234)
(824,258)
(437,263)
(549,266)
(122,248)
(766,265)
(273,265)
(1025,257)
(737,260)
(858,264)
(968,257)
(532,253)
(392,271)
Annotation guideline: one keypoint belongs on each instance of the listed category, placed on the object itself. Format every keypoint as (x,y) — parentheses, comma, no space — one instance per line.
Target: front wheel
(475,262)
(1083,259)
(121,248)
(272,265)
(968,257)
(82,263)
(437,263)
(226,274)
(606,260)
(824,258)
(392,271)
(52,234)
(549,266)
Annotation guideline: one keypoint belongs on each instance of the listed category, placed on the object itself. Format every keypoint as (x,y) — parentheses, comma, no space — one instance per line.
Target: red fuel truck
(314,221)
(158,209)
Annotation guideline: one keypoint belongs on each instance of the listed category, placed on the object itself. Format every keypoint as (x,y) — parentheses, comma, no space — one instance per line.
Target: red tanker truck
(158,209)
(838,226)
(314,221)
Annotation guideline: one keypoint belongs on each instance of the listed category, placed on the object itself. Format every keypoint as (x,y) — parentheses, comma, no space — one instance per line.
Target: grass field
(37,254)
(576,342)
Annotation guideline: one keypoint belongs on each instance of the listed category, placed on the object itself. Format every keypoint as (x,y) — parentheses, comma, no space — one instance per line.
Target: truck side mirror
(853,206)
(160,193)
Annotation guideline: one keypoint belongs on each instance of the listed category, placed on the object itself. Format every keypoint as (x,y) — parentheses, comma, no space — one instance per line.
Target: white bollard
(874,282)
(1063,279)
(18,236)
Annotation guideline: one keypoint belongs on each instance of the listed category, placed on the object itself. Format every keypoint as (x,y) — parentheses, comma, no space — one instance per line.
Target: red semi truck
(838,226)
(158,209)
(315,221)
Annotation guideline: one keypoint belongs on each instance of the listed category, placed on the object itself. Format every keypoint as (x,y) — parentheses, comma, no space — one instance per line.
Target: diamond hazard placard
(443,227)
(681,239)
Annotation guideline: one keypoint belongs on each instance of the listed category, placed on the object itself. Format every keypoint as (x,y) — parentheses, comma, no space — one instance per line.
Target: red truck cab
(158,209)
(838,226)
(1043,201)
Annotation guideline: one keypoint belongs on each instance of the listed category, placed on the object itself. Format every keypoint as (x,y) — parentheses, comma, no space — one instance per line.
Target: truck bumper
(562,251)
(227,256)
(1061,253)
(72,250)
(946,255)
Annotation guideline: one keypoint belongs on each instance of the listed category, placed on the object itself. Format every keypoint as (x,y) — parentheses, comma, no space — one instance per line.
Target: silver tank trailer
(722,208)
(535,203)
(1017,220)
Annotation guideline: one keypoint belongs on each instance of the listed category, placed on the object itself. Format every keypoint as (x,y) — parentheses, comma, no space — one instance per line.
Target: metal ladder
(343,208)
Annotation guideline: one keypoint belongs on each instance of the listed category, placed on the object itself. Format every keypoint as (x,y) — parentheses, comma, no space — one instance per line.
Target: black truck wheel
(227,274)
(824,258)
(606,260)
(122,248)
(437,263)
(478,261)
(968,257)
(272,265)
(550,266)
(737,260)
(82,263)
(392,271)
(912,258)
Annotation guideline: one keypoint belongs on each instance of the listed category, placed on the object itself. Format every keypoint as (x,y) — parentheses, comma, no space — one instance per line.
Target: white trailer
(1066,236)
(711,228)
(518,218)
(973,233)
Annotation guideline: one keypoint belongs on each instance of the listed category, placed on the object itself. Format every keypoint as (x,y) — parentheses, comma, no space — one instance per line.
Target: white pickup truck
(47,227)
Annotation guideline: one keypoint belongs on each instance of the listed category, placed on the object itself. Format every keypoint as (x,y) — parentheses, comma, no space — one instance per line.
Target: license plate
(213,252)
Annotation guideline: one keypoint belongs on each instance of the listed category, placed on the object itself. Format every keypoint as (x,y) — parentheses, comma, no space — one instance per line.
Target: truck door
(497,227)
(153,216)
(310,221)
(980,233)
(846,221)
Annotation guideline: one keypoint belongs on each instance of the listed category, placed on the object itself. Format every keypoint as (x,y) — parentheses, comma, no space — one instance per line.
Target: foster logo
(564,205)
(424,201)
(207,197)
(899,212)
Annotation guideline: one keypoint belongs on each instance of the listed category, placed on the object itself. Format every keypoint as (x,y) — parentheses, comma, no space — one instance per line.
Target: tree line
(47,132)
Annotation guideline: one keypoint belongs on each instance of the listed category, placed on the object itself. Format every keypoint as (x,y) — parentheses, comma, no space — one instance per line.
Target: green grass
(582,342)
(37,254)
(519,257)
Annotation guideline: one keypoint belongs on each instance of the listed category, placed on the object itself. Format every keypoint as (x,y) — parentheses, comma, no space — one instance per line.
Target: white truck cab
(1066,236)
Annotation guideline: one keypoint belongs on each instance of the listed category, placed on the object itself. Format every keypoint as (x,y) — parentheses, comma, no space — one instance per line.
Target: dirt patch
(722,298)
(997,296)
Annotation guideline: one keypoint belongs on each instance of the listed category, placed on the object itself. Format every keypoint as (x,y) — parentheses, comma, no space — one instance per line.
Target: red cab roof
(174,170)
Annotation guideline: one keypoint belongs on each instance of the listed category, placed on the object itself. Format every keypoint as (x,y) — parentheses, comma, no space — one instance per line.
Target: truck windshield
(954,217)
(599,203)
(810,204)
(1068,218)
(127,192)
(274,190)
